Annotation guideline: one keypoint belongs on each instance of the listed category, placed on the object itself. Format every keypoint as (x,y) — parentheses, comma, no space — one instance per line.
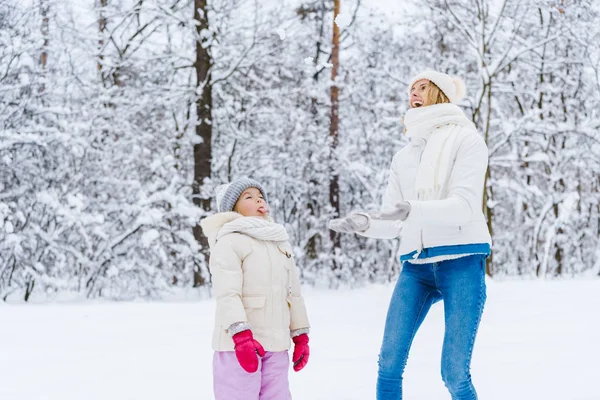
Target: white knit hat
(453,87)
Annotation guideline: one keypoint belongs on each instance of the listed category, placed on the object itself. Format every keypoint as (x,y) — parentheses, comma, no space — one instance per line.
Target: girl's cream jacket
(254,280)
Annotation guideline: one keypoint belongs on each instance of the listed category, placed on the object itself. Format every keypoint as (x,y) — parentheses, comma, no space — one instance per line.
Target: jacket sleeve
(298,314)
(226,269)
(385,229)
(465,189)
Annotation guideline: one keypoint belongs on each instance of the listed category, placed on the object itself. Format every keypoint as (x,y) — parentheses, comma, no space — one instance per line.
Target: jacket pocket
(256,311)
(254,301)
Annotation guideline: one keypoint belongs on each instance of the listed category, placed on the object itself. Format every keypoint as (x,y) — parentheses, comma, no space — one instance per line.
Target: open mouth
(263,210)
(417,103)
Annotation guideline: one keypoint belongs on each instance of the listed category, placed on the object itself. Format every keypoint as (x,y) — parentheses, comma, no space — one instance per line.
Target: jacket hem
(472,248)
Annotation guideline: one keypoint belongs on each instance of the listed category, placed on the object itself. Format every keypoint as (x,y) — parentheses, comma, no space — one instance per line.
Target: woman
(433,202)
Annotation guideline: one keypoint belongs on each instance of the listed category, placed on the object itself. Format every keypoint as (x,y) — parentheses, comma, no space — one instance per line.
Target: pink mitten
(301,351)
(246,349)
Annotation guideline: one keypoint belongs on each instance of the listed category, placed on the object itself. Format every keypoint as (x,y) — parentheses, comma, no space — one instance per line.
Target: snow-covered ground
(538,340)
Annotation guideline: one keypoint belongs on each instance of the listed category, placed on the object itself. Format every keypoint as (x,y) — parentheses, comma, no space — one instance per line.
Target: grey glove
(401,212)
(351,224)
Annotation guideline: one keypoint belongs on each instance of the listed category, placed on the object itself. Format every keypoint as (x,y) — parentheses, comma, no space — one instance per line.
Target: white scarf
(436,128)
(256,227)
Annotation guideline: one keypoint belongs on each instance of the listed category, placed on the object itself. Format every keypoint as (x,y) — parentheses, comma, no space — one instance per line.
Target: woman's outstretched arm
(385,229)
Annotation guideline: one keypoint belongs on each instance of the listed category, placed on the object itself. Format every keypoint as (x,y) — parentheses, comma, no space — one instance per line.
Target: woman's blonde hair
(434,95)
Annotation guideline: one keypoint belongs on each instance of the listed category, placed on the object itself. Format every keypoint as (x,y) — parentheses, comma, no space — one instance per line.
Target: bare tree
(101,31)
(203,148)
(45,9)
(334,186)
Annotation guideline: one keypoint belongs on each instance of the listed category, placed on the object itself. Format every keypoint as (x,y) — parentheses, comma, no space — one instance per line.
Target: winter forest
(119,118)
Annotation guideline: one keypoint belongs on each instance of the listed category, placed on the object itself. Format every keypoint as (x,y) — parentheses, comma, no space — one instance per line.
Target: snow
(538,340)
(149,237)
(343,20)
(325,65)
(281,33)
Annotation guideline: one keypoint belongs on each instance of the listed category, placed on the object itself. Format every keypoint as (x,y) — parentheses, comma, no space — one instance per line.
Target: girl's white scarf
(436,128)
(256,227)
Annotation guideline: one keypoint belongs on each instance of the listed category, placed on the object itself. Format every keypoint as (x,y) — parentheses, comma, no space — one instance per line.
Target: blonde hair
(434,95)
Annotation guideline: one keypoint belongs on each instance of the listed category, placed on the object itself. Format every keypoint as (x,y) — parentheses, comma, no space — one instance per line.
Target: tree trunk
(489,214)
(334,197)
(202,150)
(314,242)
(45,30)
(101,29)
(487,192)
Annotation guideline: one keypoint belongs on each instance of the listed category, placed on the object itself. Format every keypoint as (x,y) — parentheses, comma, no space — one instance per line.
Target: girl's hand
(301,352)
(246,349)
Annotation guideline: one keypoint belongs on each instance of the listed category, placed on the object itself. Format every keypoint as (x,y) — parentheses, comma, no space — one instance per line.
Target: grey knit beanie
(228,194)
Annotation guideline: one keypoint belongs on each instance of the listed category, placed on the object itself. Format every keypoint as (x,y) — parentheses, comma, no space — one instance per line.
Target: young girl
(259,304)
(434,203)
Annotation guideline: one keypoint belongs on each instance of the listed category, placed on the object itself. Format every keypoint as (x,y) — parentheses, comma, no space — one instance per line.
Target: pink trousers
(270,382)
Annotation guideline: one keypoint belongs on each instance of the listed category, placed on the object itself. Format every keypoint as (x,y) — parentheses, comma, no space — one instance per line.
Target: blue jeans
(460,284)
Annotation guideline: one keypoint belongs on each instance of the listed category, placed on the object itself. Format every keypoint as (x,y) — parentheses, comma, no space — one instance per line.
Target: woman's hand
(351,224)
(400,212)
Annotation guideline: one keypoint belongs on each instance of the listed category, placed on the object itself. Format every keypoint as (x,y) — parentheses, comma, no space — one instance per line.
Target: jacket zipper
(421,232)
(269,252)
(289,271)
(422,246)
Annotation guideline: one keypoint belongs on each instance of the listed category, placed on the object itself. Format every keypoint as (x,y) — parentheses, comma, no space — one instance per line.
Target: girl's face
(252,204)
(418,94)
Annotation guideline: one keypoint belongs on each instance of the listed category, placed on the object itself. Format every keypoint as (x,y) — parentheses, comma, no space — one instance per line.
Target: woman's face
(252,204)
(418,94)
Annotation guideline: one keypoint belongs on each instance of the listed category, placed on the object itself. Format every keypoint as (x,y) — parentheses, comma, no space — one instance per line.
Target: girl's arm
(465,189)
(298,315)
(226,269)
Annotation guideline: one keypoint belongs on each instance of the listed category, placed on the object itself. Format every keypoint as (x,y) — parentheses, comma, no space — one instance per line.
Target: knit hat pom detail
(460,86)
